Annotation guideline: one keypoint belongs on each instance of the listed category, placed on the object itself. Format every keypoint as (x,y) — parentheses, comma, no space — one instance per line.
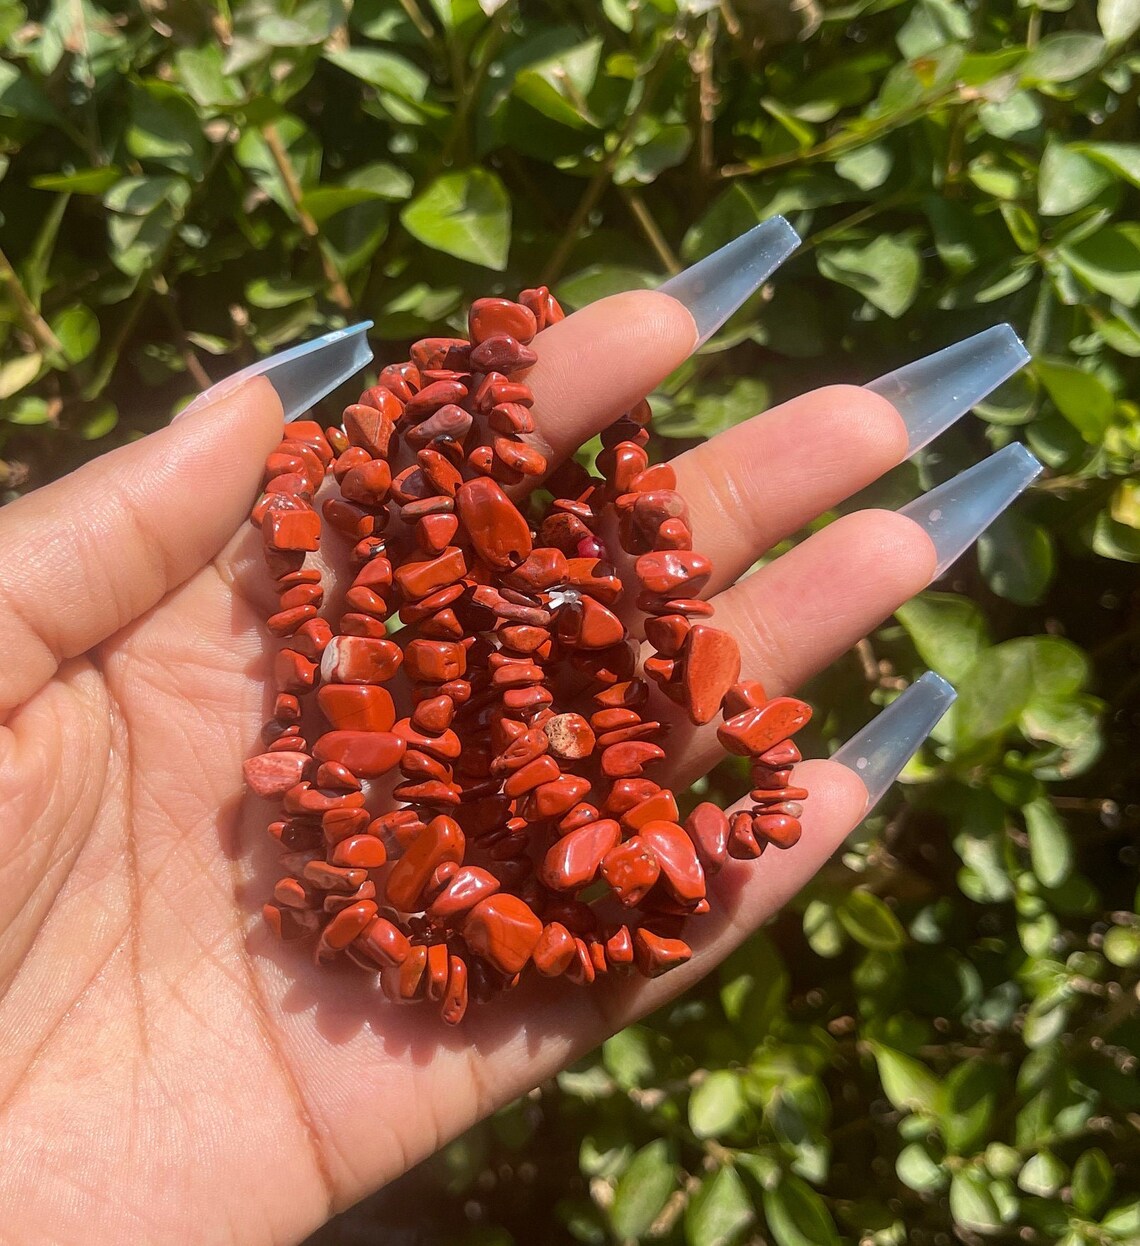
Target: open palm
(168,1072)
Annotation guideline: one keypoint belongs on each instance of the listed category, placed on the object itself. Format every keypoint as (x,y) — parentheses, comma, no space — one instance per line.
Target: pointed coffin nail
(931,393)
(955,514)
(878,753)
(301,375)
(713,288)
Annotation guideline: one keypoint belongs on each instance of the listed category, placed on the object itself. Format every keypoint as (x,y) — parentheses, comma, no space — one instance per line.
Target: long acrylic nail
(956,513)
(878,753)
(713,288)
(301,375)
(931,393)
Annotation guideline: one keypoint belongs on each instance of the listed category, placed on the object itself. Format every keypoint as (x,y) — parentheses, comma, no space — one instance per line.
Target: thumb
(84,556)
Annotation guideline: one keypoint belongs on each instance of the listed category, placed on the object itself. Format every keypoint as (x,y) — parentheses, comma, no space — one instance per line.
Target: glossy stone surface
(573,861)
(504,930)
(753,732)
(357,707)
(708,827)
(368,754)
(441,840)
(680,869)
(493,523)
(359,660)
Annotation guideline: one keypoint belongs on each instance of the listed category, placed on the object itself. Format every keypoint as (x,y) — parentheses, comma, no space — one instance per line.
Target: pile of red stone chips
(483,656)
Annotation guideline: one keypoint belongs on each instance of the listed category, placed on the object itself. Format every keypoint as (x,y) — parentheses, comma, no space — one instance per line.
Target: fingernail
(301,375)
(713,288)
(956,513)
(878,753)
(931,393)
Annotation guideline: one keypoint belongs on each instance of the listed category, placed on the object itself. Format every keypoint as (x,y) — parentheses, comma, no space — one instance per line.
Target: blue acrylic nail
(301,375)
(931,393)
(713,288)
(878,753)
(956,513)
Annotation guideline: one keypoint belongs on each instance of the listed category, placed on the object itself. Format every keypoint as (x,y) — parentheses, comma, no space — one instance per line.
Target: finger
(82,557)
(602,361)
(793,617)
(757,483)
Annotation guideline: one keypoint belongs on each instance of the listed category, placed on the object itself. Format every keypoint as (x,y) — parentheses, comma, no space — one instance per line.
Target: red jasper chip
(441,840)
(554,950)
(631,869)
(570,736)
(708,826)
(357,707)
(573,861)
(364,852)
(680,869)
(504,930)
(368,754)
(359,660)
(753,732)
(273,774)
(654,954)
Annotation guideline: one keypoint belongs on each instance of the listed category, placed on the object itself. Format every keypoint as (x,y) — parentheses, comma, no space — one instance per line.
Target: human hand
(169,1071)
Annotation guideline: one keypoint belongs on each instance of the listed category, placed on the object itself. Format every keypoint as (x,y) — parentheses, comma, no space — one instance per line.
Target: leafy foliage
(941,1035)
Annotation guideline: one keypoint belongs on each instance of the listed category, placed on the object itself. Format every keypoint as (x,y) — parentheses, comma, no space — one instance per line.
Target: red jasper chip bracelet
(511,699)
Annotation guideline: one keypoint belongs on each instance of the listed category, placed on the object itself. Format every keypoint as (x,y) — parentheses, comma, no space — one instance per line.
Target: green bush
(940,1038)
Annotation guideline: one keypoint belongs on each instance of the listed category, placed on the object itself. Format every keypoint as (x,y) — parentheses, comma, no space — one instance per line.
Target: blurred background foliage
(939,1040)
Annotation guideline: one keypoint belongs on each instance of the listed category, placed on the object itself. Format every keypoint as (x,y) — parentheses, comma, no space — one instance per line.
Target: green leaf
(1062,58)
(970,1096)
(628,1057)
(1122,158)
(386,70)
(717,1104)
(869,921)
(77,328)
(1092,1181)
(138,196)
(558,86)
(719,1212)
(797,1216)
(1016,559)
(1122,946)
(19,371)
(919,1170)
(1109,261)
(1123,1221)
(81,182)
(163,128)
(1043,1174)
(948,631)
(466,214)
(656,148)
(1068,180)
(822,929)
(754,986)
(907,1083)
(1118,19)
(972,1203)
(886,270)
(1049,848)
(867,167)
(643,1190)
(1083,399)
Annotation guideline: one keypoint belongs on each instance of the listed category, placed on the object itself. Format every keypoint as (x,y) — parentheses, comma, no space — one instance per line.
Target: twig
(338,291)
(418,19)
(601,179)
(35,324)
(649,227)
(844,141)
(193,364)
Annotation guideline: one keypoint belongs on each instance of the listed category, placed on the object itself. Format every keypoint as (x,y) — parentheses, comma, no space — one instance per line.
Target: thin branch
(35,324)
(338,291)
(649,227)
(844,141)
(602,175)
(197,373)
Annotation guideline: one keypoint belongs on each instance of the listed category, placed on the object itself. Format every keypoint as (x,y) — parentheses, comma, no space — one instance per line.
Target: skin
(168,1071)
